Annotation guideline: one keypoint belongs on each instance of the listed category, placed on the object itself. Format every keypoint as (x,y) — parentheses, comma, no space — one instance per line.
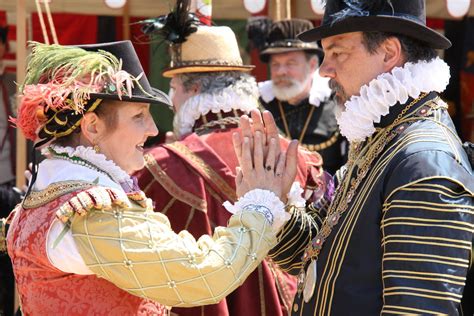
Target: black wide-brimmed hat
(405,17)
(282,38)
(141,91)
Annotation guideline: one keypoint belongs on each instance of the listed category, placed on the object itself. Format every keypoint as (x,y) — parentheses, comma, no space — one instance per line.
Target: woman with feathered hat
(85,240)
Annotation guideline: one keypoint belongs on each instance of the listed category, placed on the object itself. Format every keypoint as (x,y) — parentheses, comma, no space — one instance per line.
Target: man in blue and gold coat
(396,235)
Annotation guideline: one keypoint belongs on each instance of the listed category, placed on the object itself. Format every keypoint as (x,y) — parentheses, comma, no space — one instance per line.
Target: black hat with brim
(130,63)
(282,38)
(290,46)
(404,17)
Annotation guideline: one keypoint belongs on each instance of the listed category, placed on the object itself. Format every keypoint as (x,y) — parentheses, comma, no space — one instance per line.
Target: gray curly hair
(213,82)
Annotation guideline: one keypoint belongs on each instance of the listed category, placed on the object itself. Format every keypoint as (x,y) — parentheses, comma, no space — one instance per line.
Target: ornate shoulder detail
(95,198)
(140,198)
(52,192)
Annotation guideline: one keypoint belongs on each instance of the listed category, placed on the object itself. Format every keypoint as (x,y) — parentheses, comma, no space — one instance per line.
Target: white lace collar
(225,100)
(357,120)
(319,92)
(95,159)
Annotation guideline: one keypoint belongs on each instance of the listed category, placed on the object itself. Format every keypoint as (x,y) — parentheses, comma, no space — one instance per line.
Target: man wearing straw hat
(397,235)
(190,178)
(298,97)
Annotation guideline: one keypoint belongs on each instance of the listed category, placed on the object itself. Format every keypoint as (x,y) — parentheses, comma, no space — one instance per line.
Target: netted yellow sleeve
(138,252)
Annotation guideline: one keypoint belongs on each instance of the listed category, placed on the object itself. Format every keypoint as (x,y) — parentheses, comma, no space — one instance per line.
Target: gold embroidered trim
(464,266)
(173,189)
(3,235)
(420,182)
(211,174)
(190,218)
(321,146)
(53,191)
(423,295)
(421,311)
(222,123)
(444,293)
(439,275)
(403,276)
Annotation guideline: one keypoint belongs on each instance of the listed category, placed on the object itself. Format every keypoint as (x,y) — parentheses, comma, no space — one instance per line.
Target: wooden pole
(277,16)
(50,21)
(21,156)
(288,9)
(41,20)
(20,77)
(126,20)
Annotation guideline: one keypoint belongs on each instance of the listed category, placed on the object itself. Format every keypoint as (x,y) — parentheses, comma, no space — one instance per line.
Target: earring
(96,149)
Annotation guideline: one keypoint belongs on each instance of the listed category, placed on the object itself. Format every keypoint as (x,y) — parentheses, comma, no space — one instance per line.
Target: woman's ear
(394,57)
(92,128)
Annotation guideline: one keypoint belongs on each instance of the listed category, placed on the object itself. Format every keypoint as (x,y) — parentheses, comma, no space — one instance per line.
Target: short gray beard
(288,93)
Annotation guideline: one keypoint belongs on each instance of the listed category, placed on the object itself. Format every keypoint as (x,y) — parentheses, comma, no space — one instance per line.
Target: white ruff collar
(356,122)
(97,160)
(225,100)
(319,92)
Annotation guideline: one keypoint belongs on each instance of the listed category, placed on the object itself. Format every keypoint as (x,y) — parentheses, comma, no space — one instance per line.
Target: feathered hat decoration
(258,29)
(174,27)
(358,8)
(58,86)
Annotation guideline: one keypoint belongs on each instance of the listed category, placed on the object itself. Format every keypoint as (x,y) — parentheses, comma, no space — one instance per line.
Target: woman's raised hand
(262,164)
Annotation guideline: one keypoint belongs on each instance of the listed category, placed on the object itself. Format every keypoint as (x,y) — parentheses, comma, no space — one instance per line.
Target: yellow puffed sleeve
(137,250)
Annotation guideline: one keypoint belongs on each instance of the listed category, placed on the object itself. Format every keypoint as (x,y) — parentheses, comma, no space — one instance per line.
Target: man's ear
(196,88)
(91,127)
(393,53)
(314,63)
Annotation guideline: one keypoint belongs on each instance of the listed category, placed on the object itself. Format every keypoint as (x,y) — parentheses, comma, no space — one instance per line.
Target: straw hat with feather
(195,47)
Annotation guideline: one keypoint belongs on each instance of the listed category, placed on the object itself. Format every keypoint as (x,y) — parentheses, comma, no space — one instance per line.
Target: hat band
(292,43)
(206,62)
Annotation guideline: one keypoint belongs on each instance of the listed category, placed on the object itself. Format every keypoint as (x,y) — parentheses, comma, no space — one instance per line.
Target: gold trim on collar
(53,191)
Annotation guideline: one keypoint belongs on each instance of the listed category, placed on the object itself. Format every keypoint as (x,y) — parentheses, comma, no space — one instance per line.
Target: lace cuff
(264,202)
(295,196)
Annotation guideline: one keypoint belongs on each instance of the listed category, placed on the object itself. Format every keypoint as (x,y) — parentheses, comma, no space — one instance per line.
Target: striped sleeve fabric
(427,228)
(296,235)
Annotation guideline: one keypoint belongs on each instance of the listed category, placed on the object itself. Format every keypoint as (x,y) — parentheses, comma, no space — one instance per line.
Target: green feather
(49,61)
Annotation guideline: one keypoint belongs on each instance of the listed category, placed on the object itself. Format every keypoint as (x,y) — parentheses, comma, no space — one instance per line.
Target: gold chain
(336,209)
(323,145)
(285,123)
